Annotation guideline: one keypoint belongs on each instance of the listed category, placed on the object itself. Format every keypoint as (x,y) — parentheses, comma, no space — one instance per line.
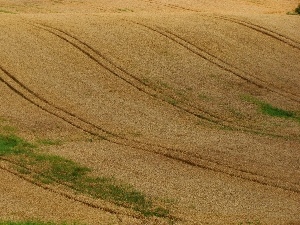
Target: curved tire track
(124,75)
(273,34)
(141,85)
(280,37)
(171,153)
(220,62)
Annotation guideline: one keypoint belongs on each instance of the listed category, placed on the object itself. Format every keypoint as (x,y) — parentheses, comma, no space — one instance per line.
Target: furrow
(45,108)
(203,56)
(93,58)
(155,90)
(230,171)
(113,138)
(280,37)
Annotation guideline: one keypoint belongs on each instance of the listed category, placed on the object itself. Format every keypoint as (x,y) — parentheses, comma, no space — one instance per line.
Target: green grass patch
(203,97)
(5,11)
(10,144)
(171,101)
(297,10)
(274,111)
(125,10)
(50,168)
(257,222)
(270,110)
(49,142)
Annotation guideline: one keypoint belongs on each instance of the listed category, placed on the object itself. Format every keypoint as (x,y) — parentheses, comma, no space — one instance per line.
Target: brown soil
(167,83)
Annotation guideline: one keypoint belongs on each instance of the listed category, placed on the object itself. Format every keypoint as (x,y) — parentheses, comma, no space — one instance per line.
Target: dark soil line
(196,53)
(44,100)
(258,28)
(280,37)
(230,171)
(146,145)
(71,196)
(124,141)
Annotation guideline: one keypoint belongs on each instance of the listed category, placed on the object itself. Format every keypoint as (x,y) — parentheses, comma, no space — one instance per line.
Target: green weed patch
(274,111)
(270,110)
(10,144)
(5,11)
(50,168)
(297,10)
(49,142)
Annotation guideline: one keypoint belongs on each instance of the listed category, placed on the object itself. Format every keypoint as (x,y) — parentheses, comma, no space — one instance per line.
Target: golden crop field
(150,112)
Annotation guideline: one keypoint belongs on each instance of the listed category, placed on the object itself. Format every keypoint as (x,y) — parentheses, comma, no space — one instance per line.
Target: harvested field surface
(178,112)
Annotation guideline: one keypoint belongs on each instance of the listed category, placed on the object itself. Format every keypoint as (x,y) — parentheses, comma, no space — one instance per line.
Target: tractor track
(138,83)
(44,105)
(232,67)
(220,62)
(141,85)
(286,40)
(258,28)
(121,73)
(273,34)
(280,37)
(184,157)
(61,193)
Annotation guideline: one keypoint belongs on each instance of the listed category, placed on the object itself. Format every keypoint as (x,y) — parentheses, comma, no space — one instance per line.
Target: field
(149,112)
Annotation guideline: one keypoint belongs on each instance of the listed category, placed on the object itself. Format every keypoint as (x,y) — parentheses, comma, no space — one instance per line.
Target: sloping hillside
(194,103)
